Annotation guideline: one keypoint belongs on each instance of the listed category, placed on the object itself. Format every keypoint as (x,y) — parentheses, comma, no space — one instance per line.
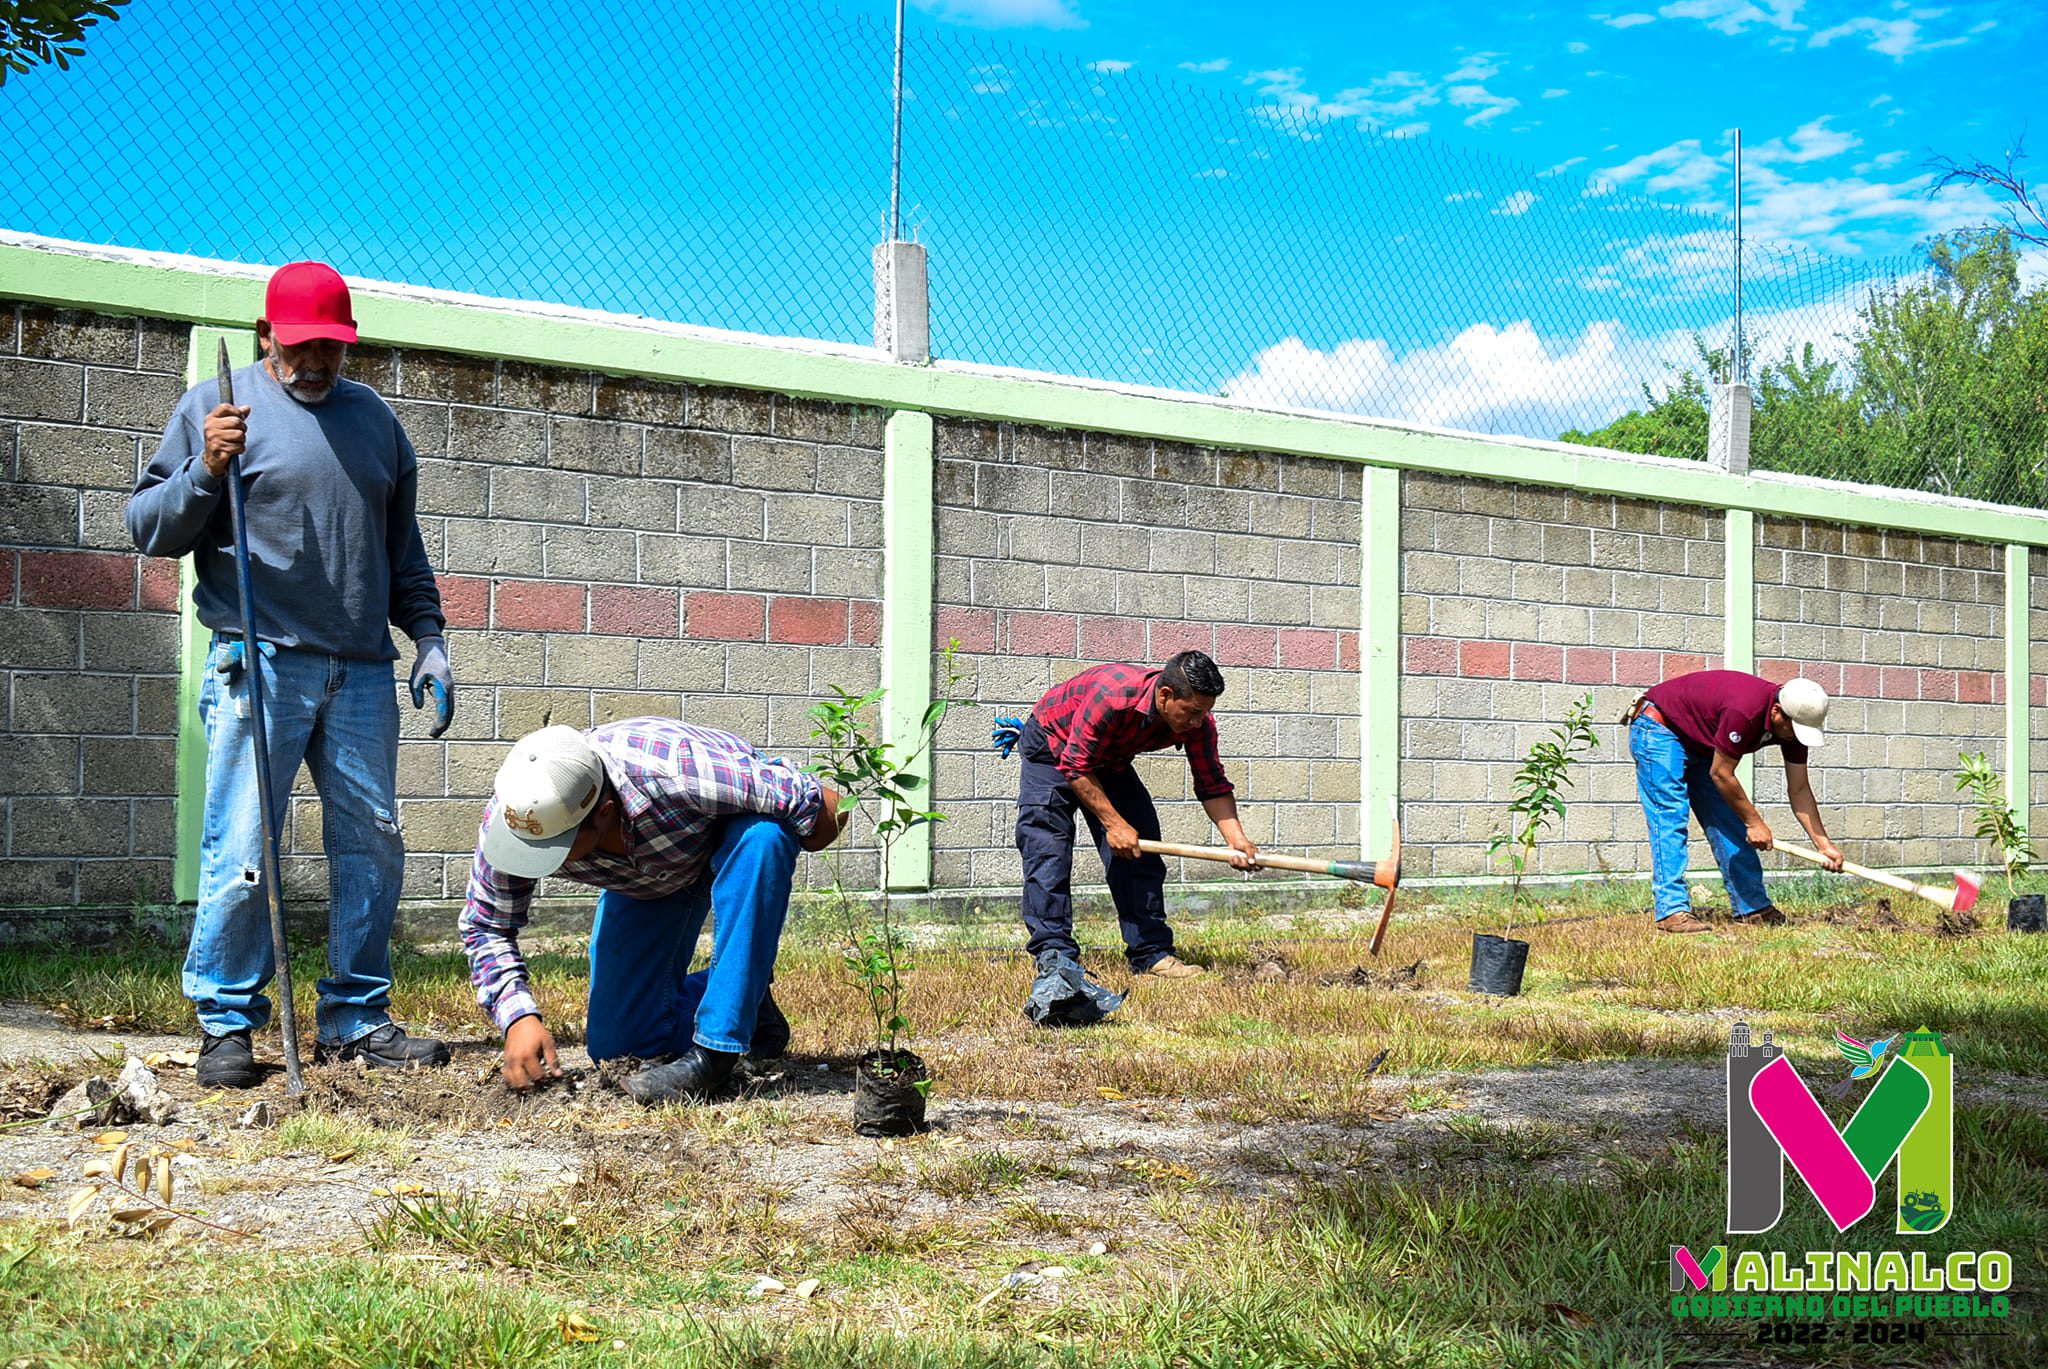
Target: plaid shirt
(674,783)
(1097,721)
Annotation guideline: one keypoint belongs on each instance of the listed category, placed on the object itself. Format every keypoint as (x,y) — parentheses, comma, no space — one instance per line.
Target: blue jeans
(1673,781)
(643,999)
(340,718)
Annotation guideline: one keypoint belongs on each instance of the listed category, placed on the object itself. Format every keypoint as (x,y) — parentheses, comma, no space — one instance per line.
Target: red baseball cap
(307,300)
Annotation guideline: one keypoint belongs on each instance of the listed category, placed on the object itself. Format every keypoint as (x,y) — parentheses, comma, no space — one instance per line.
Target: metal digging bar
(252,656)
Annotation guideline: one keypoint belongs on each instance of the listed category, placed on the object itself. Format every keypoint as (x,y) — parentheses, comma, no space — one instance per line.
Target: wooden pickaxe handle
(1941,898)
(1342,869)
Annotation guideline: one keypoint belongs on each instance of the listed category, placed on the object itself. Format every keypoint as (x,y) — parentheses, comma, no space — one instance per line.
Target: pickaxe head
(1387,874)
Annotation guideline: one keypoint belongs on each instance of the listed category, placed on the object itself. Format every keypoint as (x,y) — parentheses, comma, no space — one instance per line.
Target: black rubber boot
(771,1031)
(227,1062)
(388,1047)
(698,1075)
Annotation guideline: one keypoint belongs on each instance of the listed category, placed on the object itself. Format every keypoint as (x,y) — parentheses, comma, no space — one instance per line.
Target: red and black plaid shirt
(1097,721)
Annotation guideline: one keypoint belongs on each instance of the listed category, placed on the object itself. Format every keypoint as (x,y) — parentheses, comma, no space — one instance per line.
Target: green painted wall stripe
(2019,787)
(582,340)
(907,569)
(1738,607)
(202,359)
(1379,657)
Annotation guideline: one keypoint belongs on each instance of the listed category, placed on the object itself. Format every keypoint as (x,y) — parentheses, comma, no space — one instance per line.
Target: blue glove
(1004,735)
(430,668)
(228,657)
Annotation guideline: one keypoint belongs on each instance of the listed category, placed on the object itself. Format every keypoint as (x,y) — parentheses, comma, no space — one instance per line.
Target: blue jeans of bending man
(1046,805)
(339,717)
(1676,781)
(644,1001)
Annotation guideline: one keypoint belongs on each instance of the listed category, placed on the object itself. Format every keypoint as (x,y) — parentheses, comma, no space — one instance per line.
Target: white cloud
(1736,16)
(1558,170)
(990,80)
(1460,196)
(1410,130)
(1555,93)
(1395,96)
(1004,14)
(1515,205)
(1680,166)
(1576,48)
(1208,68)
(1486,105)
(1897,38)
(1812,141)
(1214,173)
(1479,66)
(1625,21)
(1110,67)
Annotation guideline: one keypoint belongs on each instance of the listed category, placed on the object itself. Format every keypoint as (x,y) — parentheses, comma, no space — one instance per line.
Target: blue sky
(1482,217)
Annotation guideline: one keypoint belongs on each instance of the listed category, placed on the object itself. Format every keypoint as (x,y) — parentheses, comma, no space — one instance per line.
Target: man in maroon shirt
(1686,735)
(1077,748)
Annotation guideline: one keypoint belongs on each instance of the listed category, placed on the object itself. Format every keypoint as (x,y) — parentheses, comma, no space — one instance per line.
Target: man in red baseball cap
(330,484)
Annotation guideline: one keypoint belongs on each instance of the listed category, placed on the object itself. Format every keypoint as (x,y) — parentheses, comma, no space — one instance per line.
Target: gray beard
(300,390)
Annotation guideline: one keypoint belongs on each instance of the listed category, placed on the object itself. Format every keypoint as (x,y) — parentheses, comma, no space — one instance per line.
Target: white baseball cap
(544,790)
(1806,705)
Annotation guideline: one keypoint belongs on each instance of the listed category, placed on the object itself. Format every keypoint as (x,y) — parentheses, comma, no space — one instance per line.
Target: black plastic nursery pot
(886,1098)
(2027,913)
(1497,964)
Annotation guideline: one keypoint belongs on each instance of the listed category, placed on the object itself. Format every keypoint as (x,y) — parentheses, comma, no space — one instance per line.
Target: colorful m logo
(1773,1117)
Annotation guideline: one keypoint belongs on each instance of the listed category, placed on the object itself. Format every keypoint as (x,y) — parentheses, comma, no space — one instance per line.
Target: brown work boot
(1679,924)
(1766,916)
(1172,967)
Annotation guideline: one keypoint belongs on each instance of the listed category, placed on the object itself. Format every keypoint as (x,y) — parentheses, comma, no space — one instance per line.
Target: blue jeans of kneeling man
(1675,782)
(644,1001)
(339,716)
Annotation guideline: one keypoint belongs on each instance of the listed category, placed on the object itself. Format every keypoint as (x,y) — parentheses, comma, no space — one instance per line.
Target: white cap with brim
(545,789)
(1806,707)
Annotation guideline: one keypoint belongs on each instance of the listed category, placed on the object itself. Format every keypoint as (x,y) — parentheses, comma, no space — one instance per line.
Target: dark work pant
(1046,804)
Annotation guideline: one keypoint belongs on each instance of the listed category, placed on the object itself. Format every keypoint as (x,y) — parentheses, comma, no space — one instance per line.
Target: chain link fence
(728,165)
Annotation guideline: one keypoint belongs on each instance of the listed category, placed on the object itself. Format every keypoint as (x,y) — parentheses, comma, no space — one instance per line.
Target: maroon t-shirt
(1723,710)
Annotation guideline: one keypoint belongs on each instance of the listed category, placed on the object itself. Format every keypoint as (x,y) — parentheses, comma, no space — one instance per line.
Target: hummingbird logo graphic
(1866,1058)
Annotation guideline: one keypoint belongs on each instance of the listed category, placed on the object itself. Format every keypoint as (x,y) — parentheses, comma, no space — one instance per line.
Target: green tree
(37,31)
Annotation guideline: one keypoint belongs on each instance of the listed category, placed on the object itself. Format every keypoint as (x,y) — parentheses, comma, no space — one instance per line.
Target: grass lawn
(1302,1160)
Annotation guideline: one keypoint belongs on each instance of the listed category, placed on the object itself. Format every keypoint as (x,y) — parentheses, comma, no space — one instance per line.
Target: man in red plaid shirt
(1077,748)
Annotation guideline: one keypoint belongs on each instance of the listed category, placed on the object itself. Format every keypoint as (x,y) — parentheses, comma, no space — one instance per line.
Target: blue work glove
(1004,735)
(430,668)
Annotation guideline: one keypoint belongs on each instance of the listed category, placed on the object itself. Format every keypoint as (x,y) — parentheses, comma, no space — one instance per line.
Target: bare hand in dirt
(1123,841)
(1832,852)
(1759,835)
(831,822)
(529,1054)
(227,432)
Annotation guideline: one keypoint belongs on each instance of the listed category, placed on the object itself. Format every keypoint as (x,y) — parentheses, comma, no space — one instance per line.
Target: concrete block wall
(1515,602)
(1058,550)
(1907,633)
(88,629)
(2037,678)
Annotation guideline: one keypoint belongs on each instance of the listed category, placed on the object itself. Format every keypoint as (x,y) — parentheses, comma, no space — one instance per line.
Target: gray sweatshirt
(334,547)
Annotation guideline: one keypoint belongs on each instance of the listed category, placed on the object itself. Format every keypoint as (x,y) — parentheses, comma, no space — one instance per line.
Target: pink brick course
(465,600)
(159,585)
(725,617)
(1246,646)
(1112,639)
(1308,648)
(973,628)
(1041,634)
(804,621)
(633,611)
(538,606)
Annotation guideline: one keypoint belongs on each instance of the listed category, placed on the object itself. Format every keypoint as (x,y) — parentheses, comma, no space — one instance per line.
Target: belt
(1643,708)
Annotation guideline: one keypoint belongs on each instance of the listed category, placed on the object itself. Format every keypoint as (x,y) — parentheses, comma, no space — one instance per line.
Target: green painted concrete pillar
(1379,657)
(1738,607)
(202,361)
(907,571)
(2019,644)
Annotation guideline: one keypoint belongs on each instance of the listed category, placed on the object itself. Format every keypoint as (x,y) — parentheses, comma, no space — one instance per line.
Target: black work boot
(388,1047)
(696,1076)
(227,1062)
(771,1031)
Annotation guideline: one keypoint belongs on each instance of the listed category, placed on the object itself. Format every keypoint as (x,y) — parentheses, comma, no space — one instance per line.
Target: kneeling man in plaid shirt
(1077,748)
(673,822)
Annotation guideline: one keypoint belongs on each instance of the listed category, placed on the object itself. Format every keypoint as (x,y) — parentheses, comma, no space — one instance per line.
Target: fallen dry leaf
(107,1140)
(342,1156)
(1111,1094)
(807,1289)
(182,1059)
(34,1178)
(578,1329)
(1569,1314)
